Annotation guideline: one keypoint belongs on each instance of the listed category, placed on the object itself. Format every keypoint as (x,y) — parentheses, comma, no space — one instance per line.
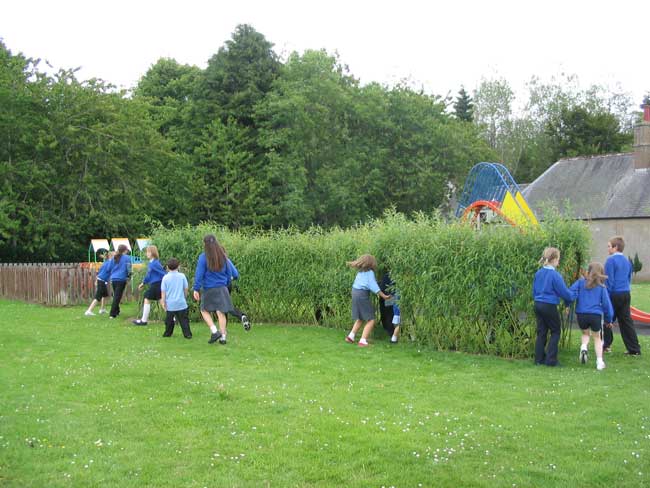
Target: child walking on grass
(173,291)
(548,289)
(619,276)
(153,278)
(593,304)
(362,308)
(120,274)
(103,275)
(211,287)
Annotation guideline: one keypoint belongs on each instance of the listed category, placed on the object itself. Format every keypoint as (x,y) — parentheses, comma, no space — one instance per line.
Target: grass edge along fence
(459,289)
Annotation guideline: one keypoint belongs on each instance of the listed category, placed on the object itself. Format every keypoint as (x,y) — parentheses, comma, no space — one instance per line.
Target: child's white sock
(393,339)
(351,335)
(362,340)
(145,312)
(213,329)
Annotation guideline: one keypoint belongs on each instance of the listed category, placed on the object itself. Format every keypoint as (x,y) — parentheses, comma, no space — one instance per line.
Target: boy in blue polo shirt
(173,289)
(619,275)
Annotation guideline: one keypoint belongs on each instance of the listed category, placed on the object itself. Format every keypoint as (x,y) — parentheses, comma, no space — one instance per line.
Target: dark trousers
(183,318)
(235,312)
(548,319)
(118,291)
(621,306)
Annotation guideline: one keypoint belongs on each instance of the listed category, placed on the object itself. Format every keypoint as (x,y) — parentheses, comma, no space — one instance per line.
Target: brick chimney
(642,138)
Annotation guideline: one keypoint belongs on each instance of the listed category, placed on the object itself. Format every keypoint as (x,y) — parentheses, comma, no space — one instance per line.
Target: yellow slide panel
(526,209)
(511,209)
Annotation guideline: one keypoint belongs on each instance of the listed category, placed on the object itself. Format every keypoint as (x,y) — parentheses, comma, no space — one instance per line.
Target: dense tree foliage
(253,141)
(78,160)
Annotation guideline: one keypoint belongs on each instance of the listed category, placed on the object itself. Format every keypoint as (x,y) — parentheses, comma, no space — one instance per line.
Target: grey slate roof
(596,187)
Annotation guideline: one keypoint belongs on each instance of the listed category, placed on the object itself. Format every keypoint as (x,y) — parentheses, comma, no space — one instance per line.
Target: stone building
(611,192)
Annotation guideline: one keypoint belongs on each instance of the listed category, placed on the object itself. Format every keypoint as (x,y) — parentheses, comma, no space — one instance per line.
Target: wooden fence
(53,283)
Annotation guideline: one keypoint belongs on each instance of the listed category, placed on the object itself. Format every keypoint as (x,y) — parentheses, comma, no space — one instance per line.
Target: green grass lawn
(87,401)
(641,296)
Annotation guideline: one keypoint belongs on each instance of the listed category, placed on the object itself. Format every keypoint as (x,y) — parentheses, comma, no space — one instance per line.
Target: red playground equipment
(640,316)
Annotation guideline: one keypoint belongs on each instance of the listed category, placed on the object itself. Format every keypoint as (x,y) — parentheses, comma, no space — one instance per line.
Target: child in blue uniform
(120,273)
(173,291)
(389,309)
(362,308)
(593,305)
(619,276)
(211,287)
(101,288)
(548,289)
(153,278)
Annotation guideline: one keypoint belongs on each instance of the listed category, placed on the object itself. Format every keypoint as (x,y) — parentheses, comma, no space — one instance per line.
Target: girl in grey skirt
(210,286)
(363,310)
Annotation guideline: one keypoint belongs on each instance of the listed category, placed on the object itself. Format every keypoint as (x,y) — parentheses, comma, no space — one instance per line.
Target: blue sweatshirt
(365,280)
(122,270)
(104,272)
(204,278)
(549,287)
(619,273)
(155,272)
(234,273)
(592,300)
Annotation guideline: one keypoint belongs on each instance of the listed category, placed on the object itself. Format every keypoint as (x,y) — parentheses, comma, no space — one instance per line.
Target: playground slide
(640,316)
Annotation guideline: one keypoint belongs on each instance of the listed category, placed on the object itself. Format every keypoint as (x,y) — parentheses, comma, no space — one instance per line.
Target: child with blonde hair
(593,305)
(548,289)
(153,278)
(362,308)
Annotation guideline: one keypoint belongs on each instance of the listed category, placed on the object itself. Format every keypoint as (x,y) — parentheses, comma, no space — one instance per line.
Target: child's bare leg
(92,305)
(207,317)
(395,337)
(355,328)
(367,330)
(585,339)
(221,317)
(598,345)
(103,305)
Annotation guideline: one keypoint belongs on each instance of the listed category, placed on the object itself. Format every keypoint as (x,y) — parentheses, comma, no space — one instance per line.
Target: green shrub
(459,289)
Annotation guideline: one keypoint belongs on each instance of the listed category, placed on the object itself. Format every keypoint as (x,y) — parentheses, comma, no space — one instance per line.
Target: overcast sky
(435,45)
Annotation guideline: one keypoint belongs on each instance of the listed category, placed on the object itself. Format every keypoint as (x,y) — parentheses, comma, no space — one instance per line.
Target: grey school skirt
(216,299)
(362,307)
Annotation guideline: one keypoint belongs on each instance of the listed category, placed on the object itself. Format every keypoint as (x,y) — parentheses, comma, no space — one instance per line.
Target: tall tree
(239,76)
(463,106)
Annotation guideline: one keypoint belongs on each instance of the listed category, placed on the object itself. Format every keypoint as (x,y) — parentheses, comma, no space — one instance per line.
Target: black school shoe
(138,322)
(222,340)
(245,322)
(214,337)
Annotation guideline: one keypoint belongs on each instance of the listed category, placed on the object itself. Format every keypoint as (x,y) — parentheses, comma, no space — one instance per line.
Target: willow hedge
(459,289)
